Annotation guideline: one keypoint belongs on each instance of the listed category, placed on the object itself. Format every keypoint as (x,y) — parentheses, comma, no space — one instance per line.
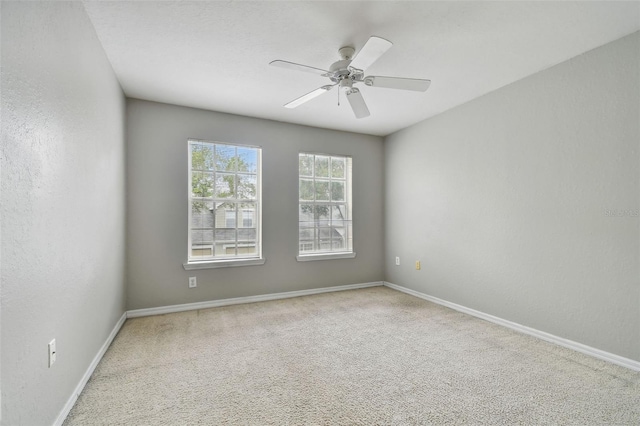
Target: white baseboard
(85,378)
(248,299)
(579,347)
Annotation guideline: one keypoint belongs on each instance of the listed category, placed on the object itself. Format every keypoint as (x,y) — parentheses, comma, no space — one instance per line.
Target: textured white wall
(157,206)
(62,204)
(505,200)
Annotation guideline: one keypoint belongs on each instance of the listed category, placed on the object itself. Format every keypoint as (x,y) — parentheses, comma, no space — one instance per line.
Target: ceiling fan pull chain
(338,96)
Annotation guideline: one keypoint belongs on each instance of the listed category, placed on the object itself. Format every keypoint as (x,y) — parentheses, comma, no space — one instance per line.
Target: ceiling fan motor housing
(339,70)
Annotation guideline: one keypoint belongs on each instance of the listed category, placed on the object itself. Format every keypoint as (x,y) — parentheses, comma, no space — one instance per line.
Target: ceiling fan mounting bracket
(346,52)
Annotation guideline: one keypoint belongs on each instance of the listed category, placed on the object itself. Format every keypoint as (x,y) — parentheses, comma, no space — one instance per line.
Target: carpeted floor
(365,357)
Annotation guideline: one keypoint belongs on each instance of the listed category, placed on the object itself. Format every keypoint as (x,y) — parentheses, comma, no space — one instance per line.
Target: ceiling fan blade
(298,67)
(373,49)
(415,84)
(306,98)
(357,103)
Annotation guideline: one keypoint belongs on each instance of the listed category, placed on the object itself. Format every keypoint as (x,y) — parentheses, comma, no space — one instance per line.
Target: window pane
(201,157)
(247,214)
(207,153)
(247,249)
(247,234)
(337,191)
(305,212)
(247,219)
(225,185)
(306,189)
(202,236)
(337,168)
(339,212)
(201,214)
(197,182)
(337,244)
(339,226)
(225,250)
(225,158)
(220,214)
(307,231)
(201,184)
(322,166)
(306,246)
(247,185)
(247,160)
(325,245)
(323,214)
(229,219)
(340,236)
(325,232)
(225,235)
(322,191)
(305,164)
(202,252)
(197,158)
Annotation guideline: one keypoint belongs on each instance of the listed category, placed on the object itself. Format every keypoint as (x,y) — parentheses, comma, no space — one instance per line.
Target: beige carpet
(362,357)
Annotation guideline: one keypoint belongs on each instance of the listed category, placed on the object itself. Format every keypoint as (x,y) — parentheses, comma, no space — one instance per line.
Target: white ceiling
(215,55)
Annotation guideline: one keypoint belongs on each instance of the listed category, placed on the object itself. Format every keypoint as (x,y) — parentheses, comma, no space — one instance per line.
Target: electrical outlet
(397,260)
(193,283)
(417,265)
(52,352)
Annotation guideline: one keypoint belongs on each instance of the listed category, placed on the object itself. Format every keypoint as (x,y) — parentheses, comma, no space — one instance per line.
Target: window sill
(328,256)
(212,264)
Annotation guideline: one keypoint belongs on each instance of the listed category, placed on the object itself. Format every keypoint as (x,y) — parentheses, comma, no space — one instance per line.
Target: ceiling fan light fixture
(346,84)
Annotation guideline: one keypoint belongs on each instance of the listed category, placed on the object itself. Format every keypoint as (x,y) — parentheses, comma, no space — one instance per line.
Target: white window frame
(239,259)
(318,254)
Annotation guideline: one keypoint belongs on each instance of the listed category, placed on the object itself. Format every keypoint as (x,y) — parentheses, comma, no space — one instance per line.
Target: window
(224,204)
(324,210)
(230,218)
(247,218)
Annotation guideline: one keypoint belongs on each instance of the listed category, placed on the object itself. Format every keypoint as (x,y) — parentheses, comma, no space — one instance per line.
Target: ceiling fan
(349,70)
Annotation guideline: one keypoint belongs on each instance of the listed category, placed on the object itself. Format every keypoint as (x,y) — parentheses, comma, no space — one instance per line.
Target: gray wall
(157,206)
(62,205)
(505,201)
